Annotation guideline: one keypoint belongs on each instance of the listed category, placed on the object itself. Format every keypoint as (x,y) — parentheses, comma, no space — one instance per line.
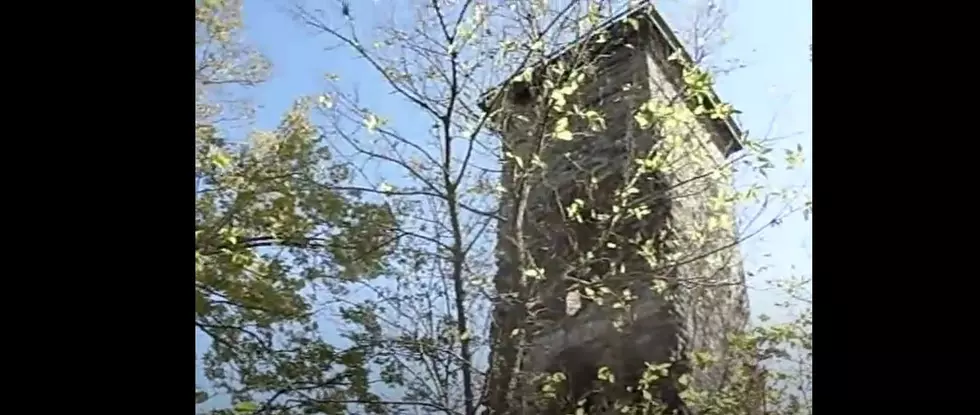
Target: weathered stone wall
(705,299)
(711,300)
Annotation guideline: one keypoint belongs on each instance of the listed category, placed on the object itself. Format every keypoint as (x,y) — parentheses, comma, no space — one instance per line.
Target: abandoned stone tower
(550,277)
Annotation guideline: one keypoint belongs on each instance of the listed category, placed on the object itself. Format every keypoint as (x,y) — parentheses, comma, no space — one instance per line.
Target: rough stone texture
(706,297)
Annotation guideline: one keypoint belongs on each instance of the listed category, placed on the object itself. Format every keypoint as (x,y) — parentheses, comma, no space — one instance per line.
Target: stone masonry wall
(706,298)
(711,300)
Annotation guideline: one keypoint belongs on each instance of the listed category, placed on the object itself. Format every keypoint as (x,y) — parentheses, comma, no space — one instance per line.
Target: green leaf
(372,123)
(221,160)
(325,101)
(561,130)
(635,24)
(606,374)
(643,120)
(246,407)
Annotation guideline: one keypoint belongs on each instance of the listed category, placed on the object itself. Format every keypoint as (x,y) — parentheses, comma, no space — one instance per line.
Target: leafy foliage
(269,230)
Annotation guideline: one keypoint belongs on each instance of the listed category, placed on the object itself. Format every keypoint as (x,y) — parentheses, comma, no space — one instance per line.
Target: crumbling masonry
(699,298)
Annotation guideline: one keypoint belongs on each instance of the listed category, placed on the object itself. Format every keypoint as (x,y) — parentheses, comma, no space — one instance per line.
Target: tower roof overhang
(618,29)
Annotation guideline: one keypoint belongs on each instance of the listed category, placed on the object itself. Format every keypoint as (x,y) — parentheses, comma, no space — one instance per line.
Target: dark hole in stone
(521,93)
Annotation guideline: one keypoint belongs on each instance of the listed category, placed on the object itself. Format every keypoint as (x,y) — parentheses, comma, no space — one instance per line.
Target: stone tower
(689,301)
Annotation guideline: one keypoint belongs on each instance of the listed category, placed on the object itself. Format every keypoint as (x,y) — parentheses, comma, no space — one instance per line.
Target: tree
(446,322)
(271,232)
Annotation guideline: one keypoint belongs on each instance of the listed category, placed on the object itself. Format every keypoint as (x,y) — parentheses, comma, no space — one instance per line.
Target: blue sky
(771,36)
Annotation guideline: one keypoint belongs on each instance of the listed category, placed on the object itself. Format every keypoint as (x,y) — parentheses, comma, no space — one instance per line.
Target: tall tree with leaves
(273,239)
